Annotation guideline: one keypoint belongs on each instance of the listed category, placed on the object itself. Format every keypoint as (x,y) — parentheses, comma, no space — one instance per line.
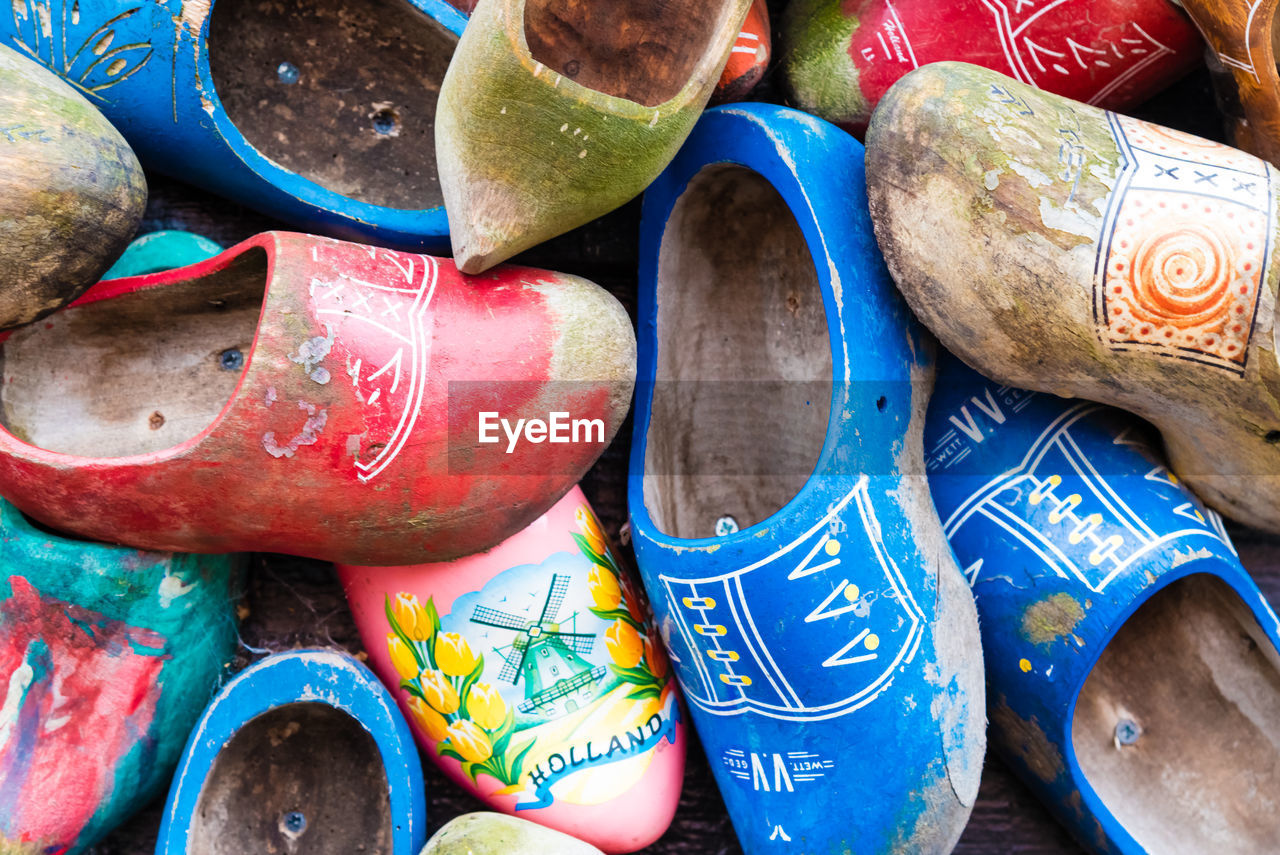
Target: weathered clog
(71,191)
(842,55)
(499,834)
(749,58)
(1242,57)
(1056,247)
(554,112)
(823,636)
(319,113)
(108,655)
(312,397)
(301,752)
(162,250)
(1133,667)
(531,675)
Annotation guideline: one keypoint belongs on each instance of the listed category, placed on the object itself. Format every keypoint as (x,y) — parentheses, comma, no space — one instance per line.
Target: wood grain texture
(295,603)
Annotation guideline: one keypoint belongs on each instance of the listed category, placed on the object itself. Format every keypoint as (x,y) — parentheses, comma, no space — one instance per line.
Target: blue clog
(162,250)
(301,752)
(820,628)
(1132,664)
(107,656)
(321,114)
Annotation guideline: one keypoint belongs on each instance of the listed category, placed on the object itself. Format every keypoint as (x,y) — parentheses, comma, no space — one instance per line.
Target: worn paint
(1052,618)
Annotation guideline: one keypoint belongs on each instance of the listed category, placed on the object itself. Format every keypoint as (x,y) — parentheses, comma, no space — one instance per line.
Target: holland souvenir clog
(1057,247)
(749,58)
(554,112)
(532,677)
(319,113)
(162,250)
(1242,57)
(821,632)
(301,752)
(107,656)
(843,55)
(71,191)
(1133,667)
(312,397)
(499,834)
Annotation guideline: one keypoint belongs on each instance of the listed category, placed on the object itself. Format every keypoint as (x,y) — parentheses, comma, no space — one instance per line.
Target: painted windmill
(557,680)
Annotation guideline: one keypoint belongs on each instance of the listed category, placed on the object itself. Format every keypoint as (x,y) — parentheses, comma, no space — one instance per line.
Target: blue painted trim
(315,676)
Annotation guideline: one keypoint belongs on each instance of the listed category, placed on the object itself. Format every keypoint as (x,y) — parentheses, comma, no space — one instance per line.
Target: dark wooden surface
(295,603)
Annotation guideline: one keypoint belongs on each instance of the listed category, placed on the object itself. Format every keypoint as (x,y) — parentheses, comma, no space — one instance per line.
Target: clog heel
(108,655)
(778,504)
(319,113)
(301,752)
(533,678)
(312,397)
(1056,247)
(1133,667)
(843,56)
(555,112)
(71,191)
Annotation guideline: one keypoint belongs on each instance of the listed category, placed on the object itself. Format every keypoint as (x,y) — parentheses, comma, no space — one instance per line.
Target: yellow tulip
(590,529)
(624,644)
(470,741)
(440,692)
(402,657)
(604,588)
(454,655)
(656,657)
(486,707)
(431,722)
(412,617)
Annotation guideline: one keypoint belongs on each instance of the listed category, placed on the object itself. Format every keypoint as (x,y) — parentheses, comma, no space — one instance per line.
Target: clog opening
(743,391)
(635,49)
(304,777)
(342,92)
(1177,727)
(137,373)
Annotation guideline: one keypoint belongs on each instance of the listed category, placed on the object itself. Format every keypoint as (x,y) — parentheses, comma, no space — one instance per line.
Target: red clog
(843,55)
(749,59)
(308,396)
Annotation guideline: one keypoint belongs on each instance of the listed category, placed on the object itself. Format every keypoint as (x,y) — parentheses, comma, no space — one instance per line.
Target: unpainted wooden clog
(319,113)
(1057,247)
(1133,667)
(313,397)
(498,834)
(822,634)
(554,112)
(533,677)
(71,191)
(302,752)
(842,55)
(107,656)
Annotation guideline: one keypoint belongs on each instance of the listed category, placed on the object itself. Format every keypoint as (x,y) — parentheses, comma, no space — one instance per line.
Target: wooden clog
(555,112)
(499,834)
(1133,667)
(533,678)
(319,113)
(71,191)
(307,396)
(1242,57)
(301,752)
(815,617)
(749,59)
(842,55)
(162,250)
(1056,247)
(107,656)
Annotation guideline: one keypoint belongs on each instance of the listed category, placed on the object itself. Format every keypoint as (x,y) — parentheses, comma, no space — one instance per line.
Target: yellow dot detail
(833,547)
(872,642)
(1025,665)
(851,592)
